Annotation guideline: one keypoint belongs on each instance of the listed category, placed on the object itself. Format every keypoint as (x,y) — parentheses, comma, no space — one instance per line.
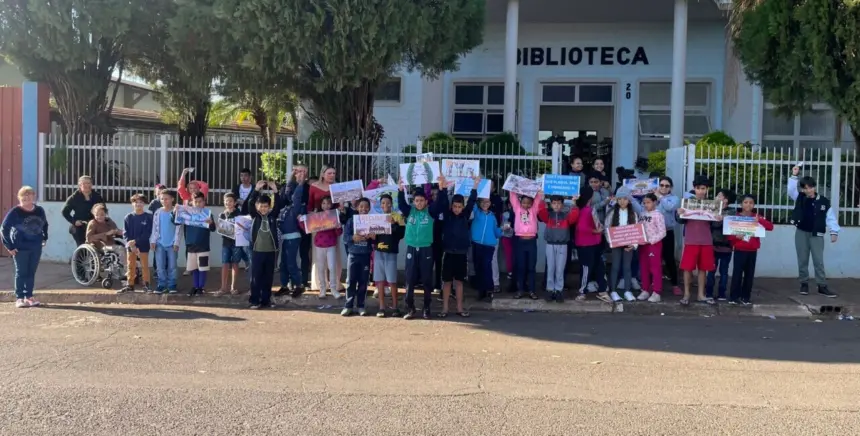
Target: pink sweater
(585,226)
(655,226)
(525,220)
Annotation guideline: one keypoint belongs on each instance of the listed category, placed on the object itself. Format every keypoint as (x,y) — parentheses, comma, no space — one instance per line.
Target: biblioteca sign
(551,56)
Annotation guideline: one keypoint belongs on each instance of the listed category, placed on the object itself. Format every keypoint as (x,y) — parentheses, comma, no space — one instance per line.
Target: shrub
(274,166)
(717,137)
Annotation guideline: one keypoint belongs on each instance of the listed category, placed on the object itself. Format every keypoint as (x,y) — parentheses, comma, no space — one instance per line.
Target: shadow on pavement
(166,313)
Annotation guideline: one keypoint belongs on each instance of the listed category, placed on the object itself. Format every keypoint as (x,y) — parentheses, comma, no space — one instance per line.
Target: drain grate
(830,309)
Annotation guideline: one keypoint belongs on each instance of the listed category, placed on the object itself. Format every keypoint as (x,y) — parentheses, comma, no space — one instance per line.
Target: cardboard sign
(743,226)
(456,170)
(346,191)
(465,187)
(640,187)
(371,224)
(521,185)
(190,216)
(420,173)
(701,210)
(625,236)
(375,197)
(243,230)
(320,221)
(226,228)
(556,184)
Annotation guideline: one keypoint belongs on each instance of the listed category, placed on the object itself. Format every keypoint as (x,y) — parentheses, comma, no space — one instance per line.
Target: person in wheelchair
(102,231)
(102,253)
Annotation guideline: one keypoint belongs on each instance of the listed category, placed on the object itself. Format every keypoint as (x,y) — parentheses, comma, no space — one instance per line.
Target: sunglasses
(663,185)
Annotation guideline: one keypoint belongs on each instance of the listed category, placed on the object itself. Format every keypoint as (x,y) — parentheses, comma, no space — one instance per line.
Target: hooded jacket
(455,228)
(558,224)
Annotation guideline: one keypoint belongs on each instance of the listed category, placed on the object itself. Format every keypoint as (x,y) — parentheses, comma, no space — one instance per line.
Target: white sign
(346,191)
(521,185)
(455,170)
(419,173)
(371,224)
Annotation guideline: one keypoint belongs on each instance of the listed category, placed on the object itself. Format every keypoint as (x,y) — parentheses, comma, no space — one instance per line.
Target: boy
(358,249)
(812,215)
(264,243)
(231,255)
(419,240)
(557,234)
(722,248)
(455,244)
(164,241)
(291,236)
(197,245)
(698,251)
(386,248)
(137,231)
(243,190)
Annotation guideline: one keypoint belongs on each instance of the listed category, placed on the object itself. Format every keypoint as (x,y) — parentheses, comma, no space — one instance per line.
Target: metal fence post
(41,154)
(162,168)
(556,158)
(691,169)
(290,145)
(836,181)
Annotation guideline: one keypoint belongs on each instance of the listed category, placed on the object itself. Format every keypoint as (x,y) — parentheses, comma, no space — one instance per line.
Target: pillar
(679,75)
(511,40)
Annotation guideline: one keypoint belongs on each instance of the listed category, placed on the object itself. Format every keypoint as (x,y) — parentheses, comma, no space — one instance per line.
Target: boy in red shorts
(698,251)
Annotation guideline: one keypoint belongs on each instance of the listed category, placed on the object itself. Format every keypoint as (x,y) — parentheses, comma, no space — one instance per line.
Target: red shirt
(315,197)
(754,243)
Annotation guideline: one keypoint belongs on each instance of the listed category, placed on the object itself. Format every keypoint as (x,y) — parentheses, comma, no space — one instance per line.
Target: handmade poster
(556,184)
(190,216)
(743,226)
(420,173)
(391,181)
(243,230)
(319,221)
(425,157)
(371,224)
(456,170)
(465,186)
(226,228)
(625,236)
(521,185)
(640,187)
(702,210)
(375,197)
(346,191)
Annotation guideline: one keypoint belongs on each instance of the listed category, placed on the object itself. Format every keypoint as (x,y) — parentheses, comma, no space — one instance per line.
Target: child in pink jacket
(525,223)
(651,254)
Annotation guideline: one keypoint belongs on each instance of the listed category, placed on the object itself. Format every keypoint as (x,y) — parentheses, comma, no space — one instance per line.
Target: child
(485,237)
(264,246)
(419,240)
(508,239)
(358,249)
(600,198)
(722,249)
(651,254)
(667,204)
(698,254)
(164,241)
(622,213)
(598,167)
(155,204)
(291,236)
(138,230)
(525,229)
(455,243)
(746,249)
(386,248)
(24,233)
(589,245)
(197,245)
(325,256)
(812,215)
(557,234)
(101,230)
(230,254)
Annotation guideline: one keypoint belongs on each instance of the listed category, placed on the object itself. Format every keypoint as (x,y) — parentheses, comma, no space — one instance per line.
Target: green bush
(274,166)
(657,162)
(717,137)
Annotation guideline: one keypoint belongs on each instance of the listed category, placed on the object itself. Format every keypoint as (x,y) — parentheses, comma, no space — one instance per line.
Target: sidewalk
(771,297)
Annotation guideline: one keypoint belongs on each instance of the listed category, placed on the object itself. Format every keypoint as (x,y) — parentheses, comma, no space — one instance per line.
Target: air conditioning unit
(724,5)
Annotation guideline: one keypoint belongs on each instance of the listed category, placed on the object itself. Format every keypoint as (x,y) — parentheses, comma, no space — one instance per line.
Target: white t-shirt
(245,192)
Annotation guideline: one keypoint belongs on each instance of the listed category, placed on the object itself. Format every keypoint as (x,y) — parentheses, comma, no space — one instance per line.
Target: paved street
(143,370)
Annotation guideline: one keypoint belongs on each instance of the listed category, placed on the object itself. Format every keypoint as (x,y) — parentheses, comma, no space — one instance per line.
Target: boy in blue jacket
(455,245)
(291,236)
(358,249)
(197,245)
(485,238)
(137,230)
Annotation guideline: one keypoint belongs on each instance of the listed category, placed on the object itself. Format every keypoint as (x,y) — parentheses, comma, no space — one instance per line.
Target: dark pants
(26,263)
(419,268)
(358,266)
(305,256)
(438,252)
(669,257)
(591,259)
(526,260)
(290,263)
(482,257)
(262,274)
(742,275)
(80,235)
(722,259)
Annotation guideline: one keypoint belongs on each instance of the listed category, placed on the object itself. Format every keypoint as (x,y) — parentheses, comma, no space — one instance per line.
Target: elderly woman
(78,207)
(24,232)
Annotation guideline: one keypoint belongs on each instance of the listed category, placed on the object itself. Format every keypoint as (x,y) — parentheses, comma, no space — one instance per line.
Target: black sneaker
(804,289)
(518,295)
(282,291)
(550,296)
(297,292)
(410,314)
(559,298)
(426,314)
(826,292)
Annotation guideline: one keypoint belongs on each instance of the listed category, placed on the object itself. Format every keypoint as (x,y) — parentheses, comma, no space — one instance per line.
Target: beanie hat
(623,192)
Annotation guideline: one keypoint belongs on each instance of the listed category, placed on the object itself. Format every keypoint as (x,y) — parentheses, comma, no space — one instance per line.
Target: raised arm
(470,203)
(404,206)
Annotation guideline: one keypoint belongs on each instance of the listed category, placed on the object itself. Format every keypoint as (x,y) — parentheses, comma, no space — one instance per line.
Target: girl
(622,213)
(317,193)
(101,231)
(650,254)
(325,255)
(746,249)
(599,167)
(526,229)
(24,233)
(667,204)
(576,166)
(589,245)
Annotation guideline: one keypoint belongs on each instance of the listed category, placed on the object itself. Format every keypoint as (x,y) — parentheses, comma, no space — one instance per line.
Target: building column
(511,40)
(679,75)
(757,115)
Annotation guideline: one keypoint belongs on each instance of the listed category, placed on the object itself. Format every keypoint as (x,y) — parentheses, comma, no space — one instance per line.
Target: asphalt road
(133,370)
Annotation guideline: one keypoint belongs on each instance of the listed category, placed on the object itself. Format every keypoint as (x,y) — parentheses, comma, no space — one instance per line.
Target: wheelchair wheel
(107,283)
(86,266)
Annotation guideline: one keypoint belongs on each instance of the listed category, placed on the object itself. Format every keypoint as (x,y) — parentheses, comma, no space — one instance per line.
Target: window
(814,129)
(389,91)
(655,114)
(563,94)
(479,110)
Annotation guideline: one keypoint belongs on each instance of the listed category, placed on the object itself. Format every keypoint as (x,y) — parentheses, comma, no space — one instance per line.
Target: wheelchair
(90,265)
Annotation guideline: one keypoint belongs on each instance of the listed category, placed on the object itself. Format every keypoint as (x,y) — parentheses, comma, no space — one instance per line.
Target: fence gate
(10,150)
(676,168)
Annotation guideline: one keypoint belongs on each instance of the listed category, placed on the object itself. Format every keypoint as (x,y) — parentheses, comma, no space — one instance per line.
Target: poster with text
(455,170)
(557,184)
(465,187)
(640,187)
(420,173)
(743,226)
(243,230)
(625,236)
(191,216)
(346,191)
(702,210)
(521,185)
(320,221)
(375,197)
(425,157)
(226,228)
(371,224)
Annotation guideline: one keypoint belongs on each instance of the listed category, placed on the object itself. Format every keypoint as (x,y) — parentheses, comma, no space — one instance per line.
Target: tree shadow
(166,313)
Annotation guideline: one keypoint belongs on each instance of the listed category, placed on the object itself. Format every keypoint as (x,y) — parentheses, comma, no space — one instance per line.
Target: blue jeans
(166,261)
(722,260)
(358,266)
(26,263)
(290,271)
(526,258)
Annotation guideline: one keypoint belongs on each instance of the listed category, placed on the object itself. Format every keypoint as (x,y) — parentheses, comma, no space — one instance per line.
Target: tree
(75,47)
(268,106)
(802,52)
(334,54)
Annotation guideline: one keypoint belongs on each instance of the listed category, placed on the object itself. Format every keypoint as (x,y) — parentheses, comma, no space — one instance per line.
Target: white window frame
(796,138)
(399,101)
(485,108)
(577,102)
(666,110)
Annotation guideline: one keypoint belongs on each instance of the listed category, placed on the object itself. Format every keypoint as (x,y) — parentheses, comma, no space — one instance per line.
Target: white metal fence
(764,173)
(125,164)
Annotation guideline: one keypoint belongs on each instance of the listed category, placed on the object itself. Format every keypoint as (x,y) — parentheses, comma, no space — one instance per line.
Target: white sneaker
(188,273)
(387,292)
(591,287)
(20,303)
(376,294)
(621,285)
(322,293)
(629,296)
(635,284)
(337,295)
(643,295)
(614,296)
(654,298)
